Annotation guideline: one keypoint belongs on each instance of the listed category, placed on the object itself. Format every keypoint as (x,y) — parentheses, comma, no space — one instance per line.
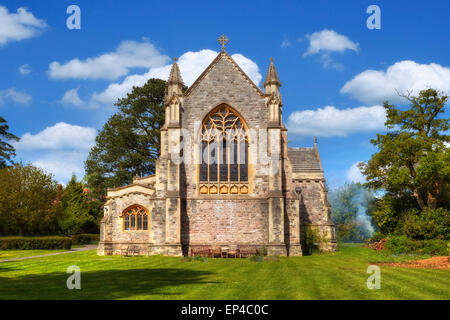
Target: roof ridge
(213,63)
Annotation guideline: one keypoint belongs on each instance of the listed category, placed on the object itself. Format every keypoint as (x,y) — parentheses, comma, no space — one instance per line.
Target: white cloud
(71,98)
(191,64)
(60,136)
(330,121)
(111,65)
(60,149)
(19,97)
(286,43)
(376,86)
(249,67)
(329,40)
(327,62)
(24,69)
(62,164)
(18,26)
(354,174)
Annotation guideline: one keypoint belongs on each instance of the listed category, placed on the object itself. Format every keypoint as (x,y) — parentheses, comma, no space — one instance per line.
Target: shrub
(435,247)
(85,238)
(32,243)
(257,258)
(426,225)
(311,240)
(261,251)
(402,245)
(405,245)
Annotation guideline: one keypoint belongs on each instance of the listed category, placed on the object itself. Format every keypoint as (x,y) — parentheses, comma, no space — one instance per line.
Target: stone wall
(220,222)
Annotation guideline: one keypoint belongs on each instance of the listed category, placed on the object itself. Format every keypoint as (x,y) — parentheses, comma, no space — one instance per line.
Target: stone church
(225,178)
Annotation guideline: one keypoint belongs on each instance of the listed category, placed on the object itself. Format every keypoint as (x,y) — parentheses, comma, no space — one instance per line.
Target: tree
(412,157)
(350,205)
(129,142)
(7,151)
(27,197)
(76,215)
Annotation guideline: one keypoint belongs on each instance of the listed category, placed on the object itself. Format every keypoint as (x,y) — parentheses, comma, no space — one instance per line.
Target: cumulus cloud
(59,136)
(191,64)
(329,41)
(376,86)
(330,121)
(71,98)
(354,174)
(111,65)
(19,97)
(24,69)
(18,26)
(60,149)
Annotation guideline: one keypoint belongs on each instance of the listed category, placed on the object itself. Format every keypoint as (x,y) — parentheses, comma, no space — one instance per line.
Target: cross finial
(223,40)
(175,59)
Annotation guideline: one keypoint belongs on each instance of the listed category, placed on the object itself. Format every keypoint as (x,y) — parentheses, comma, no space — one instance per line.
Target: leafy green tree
(412,157)
(7,151)
(76,212)
(27,197)
(129,142)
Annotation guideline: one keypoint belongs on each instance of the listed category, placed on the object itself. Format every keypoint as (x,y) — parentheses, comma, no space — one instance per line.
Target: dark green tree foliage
(351,205)
(412,157)
(7,151)
(129,142)
(77,215)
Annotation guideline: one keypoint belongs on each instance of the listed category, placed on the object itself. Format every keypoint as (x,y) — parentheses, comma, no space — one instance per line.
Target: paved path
(85,248)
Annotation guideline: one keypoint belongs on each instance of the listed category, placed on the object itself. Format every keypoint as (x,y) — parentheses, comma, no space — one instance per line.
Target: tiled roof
(304,160)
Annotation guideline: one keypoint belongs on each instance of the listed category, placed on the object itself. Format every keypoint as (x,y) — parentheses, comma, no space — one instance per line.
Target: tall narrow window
(224,153)
(135,218)
(127,222)
(139,222)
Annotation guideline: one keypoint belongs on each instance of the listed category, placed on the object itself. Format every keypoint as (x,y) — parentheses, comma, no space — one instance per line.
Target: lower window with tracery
(135,218)
(224,153)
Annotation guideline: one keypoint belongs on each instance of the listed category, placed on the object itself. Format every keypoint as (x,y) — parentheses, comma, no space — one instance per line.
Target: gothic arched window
(135,218)
(224,153)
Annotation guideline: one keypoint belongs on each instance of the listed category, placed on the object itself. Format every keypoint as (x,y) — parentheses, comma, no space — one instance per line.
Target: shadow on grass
(105,284)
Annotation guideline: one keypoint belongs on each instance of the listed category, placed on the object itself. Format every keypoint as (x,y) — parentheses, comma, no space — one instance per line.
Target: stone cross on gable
(223,40)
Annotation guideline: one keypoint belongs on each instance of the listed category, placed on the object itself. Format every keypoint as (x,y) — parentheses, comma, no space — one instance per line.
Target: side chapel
(225,178)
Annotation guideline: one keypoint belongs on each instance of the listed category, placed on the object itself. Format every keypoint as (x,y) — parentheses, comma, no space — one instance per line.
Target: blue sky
(57,87)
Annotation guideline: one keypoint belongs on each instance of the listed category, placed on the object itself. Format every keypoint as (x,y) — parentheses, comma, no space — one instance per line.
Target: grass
(11,254)
(340,275)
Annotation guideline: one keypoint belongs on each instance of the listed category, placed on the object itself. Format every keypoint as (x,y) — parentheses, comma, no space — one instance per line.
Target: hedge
(85,238)
(32,243)
(405,245)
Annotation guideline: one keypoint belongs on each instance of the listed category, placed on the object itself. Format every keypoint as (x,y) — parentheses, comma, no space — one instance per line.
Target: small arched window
(224,153)
(135,218)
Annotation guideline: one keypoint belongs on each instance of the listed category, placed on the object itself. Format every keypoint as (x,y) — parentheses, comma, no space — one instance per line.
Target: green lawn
(10,254)
(339,275)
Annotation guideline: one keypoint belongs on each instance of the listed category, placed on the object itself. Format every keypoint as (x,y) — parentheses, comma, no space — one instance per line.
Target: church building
(225,179)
